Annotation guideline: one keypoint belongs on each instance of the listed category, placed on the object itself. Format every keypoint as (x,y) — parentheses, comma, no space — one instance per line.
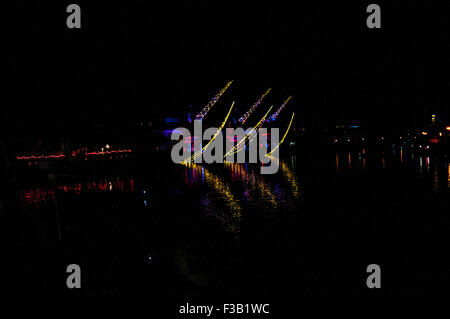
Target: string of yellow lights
(245,117)
(282,140)
(239,146)
(199,153)
(211,103)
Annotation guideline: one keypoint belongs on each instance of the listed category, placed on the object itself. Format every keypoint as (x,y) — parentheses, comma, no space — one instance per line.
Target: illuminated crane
(211,103)
(245,117)
(274,115)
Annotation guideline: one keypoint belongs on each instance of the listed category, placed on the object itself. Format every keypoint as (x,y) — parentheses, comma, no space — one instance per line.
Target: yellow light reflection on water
(239,172)
(337,162)
(289,176)
(267,195)
(448,169)
(349,160)
(223,190)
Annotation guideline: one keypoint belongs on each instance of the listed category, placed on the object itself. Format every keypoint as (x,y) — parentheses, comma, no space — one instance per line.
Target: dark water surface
(225,230)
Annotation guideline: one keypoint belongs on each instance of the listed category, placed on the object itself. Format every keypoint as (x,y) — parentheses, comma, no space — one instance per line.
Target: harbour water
(225,230)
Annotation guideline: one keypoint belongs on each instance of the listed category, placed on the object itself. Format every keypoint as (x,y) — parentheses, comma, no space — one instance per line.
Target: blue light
(172,120)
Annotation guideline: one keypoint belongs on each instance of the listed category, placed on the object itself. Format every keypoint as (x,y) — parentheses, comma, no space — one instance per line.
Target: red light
(40,157)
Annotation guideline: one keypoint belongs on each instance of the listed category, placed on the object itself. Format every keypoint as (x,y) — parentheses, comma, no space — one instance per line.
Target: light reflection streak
(255,191)
(44,194)
(107,184)
(349,160)
(448,174)
(289,176)
(337,162)
(264,189)
(223,191)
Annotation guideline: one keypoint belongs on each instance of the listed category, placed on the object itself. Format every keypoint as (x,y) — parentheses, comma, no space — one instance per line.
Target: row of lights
(61,155)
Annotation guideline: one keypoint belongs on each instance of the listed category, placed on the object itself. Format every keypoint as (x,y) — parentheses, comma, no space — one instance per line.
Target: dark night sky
(134,60)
